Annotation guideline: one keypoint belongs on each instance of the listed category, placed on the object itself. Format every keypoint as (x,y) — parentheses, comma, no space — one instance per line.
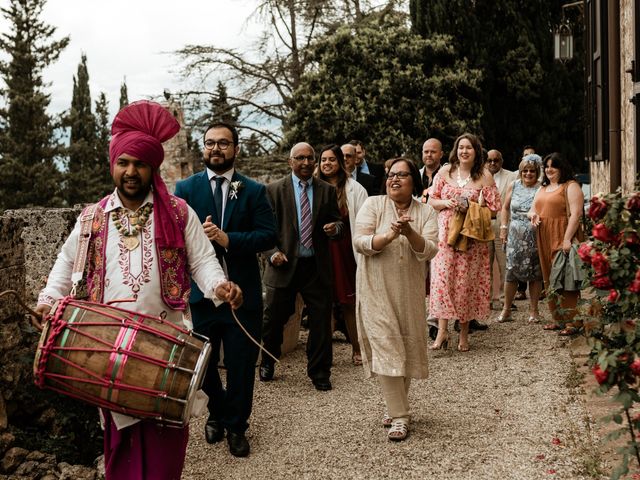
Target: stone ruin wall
(29,242)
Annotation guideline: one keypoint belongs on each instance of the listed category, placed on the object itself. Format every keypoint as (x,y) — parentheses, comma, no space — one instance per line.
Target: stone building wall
(628,137)
(178,160)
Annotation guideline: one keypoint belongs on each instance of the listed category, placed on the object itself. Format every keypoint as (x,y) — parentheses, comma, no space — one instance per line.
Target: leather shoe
(238,444)
(266,372)
(322,384)
(213,431)
(476,325)
(433,332)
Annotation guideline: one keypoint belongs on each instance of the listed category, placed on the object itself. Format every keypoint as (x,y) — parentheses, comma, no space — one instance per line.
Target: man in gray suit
(307,215)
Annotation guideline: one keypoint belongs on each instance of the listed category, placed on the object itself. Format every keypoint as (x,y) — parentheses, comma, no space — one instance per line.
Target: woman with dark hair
(396,235)
(556,212)
(351,195)
(460,280)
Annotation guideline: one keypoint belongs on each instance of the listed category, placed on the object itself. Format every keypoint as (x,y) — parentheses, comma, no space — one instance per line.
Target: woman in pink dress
(460,281)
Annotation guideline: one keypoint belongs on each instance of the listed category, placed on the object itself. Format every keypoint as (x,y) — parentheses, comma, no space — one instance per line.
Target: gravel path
(492,413)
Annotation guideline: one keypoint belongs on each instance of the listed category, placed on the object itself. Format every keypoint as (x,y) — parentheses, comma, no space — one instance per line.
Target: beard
(136,192)
(217,164)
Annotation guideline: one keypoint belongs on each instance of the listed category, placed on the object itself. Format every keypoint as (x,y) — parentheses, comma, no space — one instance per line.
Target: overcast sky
(127,38)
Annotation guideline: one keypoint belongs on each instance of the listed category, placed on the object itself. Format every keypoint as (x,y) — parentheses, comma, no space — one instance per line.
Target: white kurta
(390,290)
(135,275)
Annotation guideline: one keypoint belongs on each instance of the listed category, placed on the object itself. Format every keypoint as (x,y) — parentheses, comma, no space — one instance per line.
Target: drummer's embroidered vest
(172,262)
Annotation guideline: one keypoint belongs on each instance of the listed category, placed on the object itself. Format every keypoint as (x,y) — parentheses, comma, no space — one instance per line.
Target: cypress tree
(103,136)
(81,179)
(29,153)
(221,110)
(124,96)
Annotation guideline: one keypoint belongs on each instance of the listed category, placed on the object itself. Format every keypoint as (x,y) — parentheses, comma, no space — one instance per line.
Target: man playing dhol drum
(143,245)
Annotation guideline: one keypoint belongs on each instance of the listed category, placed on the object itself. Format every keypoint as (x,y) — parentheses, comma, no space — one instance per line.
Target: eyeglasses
(302,158)
(493,160)
(222,144)
(529,171)
(390,175)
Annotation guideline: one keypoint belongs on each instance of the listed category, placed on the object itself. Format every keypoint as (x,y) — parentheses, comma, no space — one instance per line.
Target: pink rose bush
(611,259)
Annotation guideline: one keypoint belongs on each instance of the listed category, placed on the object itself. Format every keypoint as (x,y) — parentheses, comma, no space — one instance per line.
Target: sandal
(502,318)
(568,331)
(551,326)
(398,432)
(356,358)
(533,319)
(386,420)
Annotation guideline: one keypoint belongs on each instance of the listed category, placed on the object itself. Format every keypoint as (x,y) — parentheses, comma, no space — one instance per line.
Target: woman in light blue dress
(519,236)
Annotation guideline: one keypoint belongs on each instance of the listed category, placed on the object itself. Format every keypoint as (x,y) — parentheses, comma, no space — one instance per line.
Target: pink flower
(602,233)
(635,286)
(632,238)
(597,208)
(556,441)
(584,251)
(601,282)
(635,367)
(602,375)
(633,203)
(614,295)
(600,263)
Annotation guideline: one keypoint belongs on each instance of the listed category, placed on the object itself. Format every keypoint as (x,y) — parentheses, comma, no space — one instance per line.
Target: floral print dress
(522,249)
(460,281)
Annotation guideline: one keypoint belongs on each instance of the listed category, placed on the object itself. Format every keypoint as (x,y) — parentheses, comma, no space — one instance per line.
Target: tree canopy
(380,83)
(527,98)
(28,149)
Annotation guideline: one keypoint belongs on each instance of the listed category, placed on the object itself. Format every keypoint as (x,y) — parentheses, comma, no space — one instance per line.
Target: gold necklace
(137,221)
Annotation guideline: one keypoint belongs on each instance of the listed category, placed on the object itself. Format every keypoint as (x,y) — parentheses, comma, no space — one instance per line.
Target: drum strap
(86,220)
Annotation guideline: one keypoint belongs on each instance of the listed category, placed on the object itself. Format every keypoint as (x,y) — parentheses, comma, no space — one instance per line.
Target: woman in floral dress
(460,280)
(523,264)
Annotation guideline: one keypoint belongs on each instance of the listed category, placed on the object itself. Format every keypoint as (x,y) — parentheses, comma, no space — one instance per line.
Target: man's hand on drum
(43,310)
(229,292)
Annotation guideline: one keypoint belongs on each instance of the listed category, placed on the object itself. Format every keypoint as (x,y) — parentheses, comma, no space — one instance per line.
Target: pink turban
(139,130)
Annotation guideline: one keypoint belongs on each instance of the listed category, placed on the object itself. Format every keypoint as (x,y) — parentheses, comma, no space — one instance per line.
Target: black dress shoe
(213,431)
(322,384)
(476,325)
(238,444)
(433,332)
(456,325)
(266,372)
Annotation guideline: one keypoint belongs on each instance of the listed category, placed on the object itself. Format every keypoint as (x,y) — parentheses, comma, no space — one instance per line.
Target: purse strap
(86,220)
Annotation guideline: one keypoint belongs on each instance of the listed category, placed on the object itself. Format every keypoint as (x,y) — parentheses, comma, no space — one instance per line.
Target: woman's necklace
(137,221)
(552,188)
(462,183)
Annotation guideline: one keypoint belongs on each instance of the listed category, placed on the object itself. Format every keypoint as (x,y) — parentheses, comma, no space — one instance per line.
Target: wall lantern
(563,36)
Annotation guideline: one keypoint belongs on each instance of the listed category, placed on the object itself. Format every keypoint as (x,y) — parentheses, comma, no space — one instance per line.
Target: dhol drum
(124,361)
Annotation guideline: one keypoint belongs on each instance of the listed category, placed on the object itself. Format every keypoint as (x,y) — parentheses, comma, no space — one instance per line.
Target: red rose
(600,263)
(633,203)
(597,208)
(584,251)
(635,286)
(614,295)
(602,282)
(602,375)
(632,238)
(635,367)
(602,233)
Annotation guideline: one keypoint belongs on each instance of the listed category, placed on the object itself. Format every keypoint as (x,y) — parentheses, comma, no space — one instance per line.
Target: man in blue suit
(237,218)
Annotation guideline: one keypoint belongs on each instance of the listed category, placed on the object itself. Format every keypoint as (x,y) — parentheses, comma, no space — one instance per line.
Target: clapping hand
(214,233)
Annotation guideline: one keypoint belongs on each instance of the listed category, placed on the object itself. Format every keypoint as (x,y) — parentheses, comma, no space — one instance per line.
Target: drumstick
(21,302)
(252,339)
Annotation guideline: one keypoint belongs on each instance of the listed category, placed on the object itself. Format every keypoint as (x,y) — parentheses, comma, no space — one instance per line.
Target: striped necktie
(305,217)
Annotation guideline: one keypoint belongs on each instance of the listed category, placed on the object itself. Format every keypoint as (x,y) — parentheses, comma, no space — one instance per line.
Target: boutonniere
(234,188)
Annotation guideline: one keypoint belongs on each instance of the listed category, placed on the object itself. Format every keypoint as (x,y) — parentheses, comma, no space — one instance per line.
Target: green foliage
(527,98)
(28,150)
(124,95)
(87,177)
(379,82)
(612,323)
(221,110)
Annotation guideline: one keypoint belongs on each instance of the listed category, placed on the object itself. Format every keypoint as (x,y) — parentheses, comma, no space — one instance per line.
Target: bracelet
(504,226)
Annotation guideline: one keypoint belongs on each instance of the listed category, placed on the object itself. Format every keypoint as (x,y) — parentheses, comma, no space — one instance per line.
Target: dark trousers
(280,305)
(231,406)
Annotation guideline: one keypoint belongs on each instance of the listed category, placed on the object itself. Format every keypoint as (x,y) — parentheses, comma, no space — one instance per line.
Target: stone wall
(41,433)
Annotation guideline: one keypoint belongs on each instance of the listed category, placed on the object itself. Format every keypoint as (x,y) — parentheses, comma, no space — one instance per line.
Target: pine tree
(221,110)
(81,181)
(124,96)
(28,150)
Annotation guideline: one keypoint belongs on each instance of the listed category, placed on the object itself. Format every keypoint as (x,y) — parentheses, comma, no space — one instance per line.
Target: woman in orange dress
(556,228)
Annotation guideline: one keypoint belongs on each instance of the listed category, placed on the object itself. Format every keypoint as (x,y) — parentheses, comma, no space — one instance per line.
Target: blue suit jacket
(250,225)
